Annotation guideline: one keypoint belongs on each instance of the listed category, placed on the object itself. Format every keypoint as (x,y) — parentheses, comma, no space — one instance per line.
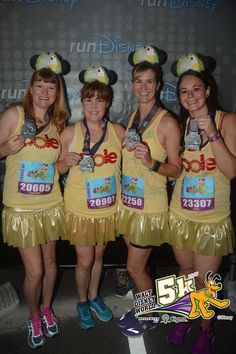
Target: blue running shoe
(86,320)
(102,311)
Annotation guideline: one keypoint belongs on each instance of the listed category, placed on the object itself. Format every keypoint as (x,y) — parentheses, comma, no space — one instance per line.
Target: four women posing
(99,205)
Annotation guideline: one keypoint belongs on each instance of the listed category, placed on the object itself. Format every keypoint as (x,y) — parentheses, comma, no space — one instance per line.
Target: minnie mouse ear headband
(98,73)
(148,54)
(50,60)
(193,61)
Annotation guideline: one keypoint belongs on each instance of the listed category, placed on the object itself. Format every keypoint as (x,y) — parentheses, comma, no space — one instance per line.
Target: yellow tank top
(202,192)
(31,180)
(144,191)
(94,194)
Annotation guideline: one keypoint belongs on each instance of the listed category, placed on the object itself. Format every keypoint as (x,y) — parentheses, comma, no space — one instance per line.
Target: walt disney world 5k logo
(178,295)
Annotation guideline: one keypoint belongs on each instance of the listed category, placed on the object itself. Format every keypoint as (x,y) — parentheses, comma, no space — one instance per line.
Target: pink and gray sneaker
(35,334)
(50,322)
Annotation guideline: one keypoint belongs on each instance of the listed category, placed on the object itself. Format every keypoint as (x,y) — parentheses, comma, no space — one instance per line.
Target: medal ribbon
(86,148)
(135,124)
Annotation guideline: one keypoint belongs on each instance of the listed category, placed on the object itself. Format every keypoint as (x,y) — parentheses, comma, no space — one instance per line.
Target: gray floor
(105,338)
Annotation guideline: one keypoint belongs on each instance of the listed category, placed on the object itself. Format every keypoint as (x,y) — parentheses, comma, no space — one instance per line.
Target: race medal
(132,138)
(192,141)
(86,164)
(193,138)
(132,192)
(35,178)
(197,193)
(28,129)
(101,192)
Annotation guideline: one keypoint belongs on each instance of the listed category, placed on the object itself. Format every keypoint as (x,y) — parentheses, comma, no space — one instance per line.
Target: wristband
(155,166)
(215,137)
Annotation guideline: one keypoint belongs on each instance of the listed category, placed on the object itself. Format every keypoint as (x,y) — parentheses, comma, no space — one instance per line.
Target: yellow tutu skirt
(209,239)
(83,231)
(143,229)
(27,228)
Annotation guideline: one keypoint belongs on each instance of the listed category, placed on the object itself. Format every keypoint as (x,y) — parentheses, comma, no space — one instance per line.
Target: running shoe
(203,342)
(50,322)
(35,333)
(132,326)
(86,320)
(178,333)
(124,284)
(100,308)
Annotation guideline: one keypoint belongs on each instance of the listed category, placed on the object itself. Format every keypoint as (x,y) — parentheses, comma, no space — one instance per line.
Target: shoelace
(48,314)
(101,304)
(85,310)
(35,326)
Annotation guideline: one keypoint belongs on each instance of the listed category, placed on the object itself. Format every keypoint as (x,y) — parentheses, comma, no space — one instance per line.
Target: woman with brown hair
(91,151)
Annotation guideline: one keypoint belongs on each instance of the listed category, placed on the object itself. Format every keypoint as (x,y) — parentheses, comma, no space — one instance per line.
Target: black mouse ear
(112,76)
(81,76)
(130,58)
(162,55)
(33,61)
(65,65)
(173,68)
(208,62)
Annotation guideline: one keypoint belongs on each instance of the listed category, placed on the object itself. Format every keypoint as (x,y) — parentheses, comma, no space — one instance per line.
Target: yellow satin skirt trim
(83,231)
(143,229)
(209,239)
(27,228)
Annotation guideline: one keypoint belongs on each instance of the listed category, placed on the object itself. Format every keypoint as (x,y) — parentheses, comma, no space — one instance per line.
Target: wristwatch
(155,166)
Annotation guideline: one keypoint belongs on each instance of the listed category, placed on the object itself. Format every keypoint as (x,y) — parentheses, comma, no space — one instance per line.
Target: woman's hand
(207,125)
(13,145)
(72,159)
(142,152)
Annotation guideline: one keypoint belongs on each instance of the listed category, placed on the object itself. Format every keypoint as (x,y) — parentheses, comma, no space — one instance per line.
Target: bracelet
(215,137)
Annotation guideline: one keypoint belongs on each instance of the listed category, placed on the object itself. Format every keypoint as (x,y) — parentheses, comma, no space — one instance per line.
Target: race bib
(198,193)
(101,192)
(35,178)
(132,192)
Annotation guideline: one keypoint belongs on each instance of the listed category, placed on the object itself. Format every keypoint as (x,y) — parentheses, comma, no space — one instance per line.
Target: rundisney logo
(71,3)
(103,45)
(212,5)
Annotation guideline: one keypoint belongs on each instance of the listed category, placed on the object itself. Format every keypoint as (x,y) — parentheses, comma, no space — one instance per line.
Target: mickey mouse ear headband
(149,53)
(193,61)
(50,60)
(98,73)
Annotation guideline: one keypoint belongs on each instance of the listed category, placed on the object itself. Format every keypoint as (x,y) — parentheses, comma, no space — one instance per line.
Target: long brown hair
(58,111)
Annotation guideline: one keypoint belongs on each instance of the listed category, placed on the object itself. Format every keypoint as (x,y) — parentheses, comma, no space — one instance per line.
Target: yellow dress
(33,205)
(91,197)
(143,208)
(200,205)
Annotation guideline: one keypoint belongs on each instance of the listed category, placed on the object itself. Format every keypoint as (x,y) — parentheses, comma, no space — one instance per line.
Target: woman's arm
(67,159)
(8,123)
(224,146)
(120,131)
